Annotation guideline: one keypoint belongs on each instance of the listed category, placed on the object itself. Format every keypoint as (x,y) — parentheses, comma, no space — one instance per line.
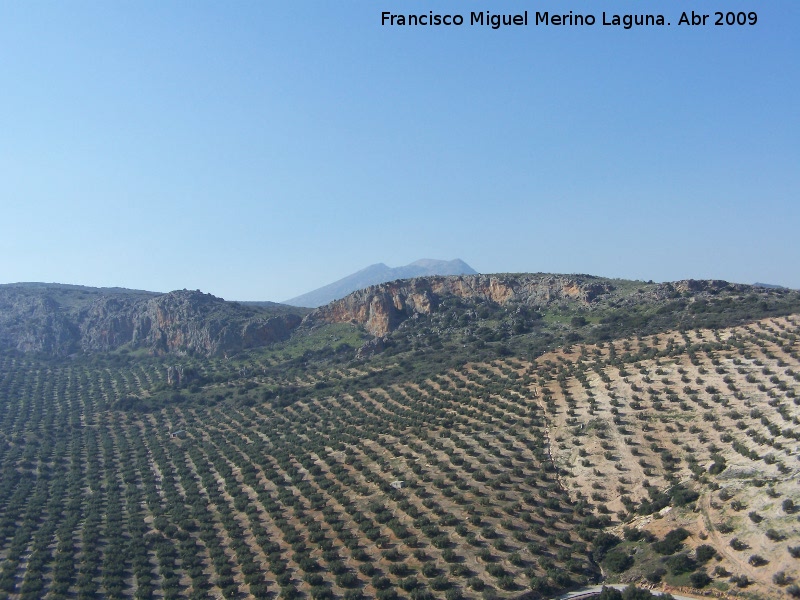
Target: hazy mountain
(380,273)
(769,285)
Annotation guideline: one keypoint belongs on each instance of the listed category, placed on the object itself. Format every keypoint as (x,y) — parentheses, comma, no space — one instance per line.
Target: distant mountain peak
(380,273)
(448,265)
(769,285)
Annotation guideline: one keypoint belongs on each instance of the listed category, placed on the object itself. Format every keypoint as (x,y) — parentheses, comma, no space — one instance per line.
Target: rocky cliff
(62,320)
(381,308)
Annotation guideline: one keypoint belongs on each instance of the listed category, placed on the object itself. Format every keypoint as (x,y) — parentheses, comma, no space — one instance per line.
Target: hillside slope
(606,303)
(273,473)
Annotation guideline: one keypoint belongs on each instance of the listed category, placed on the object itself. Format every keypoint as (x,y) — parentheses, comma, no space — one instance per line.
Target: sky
(258,150)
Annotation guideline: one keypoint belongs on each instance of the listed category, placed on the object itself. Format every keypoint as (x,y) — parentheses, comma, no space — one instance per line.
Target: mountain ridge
(62,320)
(382,308)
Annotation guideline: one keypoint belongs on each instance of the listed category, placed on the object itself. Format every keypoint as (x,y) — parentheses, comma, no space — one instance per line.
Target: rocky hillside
(62,320)
(382,308)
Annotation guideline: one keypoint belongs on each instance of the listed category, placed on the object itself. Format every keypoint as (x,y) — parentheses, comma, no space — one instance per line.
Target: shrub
(346,579)
(322,593)
(780,578)
(681,496)
(724,527)
(725,494)
(618,561)
(718,466)
(774,535)
(672,542)
(429,570)
(399,569)
(680,563)
(704,553)
(460,570)
(495,570)
(387,594)
(476,583)
(440,583)
(655,575)
(699,579)
(314,579)
(506,582)
(741,581)
(421,594)
(602,543)
(632,534)
(289,592)
(757,560)
(738,544)
(409,583)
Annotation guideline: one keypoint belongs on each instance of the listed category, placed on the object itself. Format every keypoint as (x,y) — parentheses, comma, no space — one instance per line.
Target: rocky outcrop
(181,376)
(202,323)
(372,347)
(381,308)
(62,320)
(34,323)
(694,286)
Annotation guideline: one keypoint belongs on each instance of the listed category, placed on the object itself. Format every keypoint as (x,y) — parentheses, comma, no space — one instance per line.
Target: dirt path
(719,543)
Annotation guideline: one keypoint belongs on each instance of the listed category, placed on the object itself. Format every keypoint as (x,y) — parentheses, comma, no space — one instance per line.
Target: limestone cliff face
(381,308)
(191,321)
(34,324)
(61,321)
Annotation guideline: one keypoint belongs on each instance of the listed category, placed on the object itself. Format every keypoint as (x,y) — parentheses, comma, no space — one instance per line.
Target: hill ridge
(59,320)
(383,307)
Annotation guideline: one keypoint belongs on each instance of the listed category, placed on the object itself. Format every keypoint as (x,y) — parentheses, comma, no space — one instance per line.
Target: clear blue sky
(257,150)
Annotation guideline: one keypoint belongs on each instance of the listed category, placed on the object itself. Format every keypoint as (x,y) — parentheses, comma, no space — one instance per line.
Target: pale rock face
(182,321)
(61,320)
(381,308)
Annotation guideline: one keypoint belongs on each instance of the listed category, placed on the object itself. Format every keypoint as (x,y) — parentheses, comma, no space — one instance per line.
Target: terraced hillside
(711,414)
(657,457)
